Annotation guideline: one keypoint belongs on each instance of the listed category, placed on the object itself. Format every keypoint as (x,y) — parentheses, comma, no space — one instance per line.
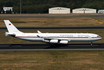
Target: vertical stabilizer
(11,28)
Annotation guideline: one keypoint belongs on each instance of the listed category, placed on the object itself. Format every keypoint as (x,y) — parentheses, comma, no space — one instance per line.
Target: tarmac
(57,28)
(43,46)
(52,15)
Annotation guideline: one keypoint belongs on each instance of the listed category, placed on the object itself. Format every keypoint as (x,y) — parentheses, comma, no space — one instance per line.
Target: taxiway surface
(42,46)
(56,28)
(52,15)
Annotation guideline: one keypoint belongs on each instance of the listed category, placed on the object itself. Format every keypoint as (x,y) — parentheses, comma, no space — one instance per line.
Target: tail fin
(11,28)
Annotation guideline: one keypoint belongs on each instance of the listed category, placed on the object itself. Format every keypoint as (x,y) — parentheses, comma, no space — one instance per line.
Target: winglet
(38,31)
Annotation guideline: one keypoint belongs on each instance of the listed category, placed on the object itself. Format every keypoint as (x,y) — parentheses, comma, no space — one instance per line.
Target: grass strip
(52,21)
(52,60)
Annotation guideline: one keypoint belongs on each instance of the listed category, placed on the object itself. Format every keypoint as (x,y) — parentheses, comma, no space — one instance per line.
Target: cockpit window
(98,36)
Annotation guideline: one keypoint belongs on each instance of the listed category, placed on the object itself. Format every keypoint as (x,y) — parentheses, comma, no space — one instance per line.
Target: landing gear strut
(91,43)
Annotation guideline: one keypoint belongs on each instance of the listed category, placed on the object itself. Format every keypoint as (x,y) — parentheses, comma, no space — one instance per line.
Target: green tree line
(42,6)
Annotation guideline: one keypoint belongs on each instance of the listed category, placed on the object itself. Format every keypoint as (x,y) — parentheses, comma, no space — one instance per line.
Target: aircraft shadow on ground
(57,46)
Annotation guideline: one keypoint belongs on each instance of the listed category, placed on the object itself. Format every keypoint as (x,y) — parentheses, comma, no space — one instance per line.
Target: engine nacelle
(53,41)
(64,42)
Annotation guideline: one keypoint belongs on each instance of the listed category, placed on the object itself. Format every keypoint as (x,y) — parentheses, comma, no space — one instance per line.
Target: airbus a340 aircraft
(59,38)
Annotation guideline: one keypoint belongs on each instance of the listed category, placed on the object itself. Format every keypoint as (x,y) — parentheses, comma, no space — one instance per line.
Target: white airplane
(58,38)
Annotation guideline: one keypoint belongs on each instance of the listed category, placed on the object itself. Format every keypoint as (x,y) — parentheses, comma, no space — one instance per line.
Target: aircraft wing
(44,38)
(51,40)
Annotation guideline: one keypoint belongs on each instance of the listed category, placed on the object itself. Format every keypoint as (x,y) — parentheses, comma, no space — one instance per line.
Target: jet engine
(53,41)
(63,42)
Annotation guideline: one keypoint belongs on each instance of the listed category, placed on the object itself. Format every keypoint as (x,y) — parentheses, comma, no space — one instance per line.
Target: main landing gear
(91,43)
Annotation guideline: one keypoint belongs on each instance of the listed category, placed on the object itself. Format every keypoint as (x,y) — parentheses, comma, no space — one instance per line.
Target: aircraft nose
(100,37)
